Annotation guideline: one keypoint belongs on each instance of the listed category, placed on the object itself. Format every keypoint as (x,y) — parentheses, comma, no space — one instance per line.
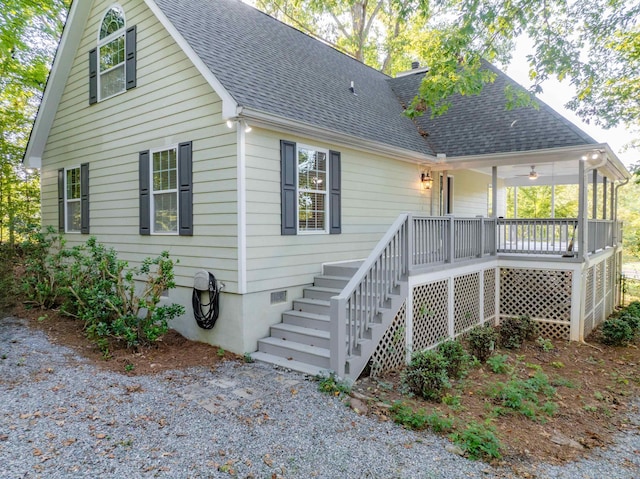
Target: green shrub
(419,419)
(632,320)
(92,284)
(616,332)
(482,341)
(456,357)
(545,344)
(513,331)
(332,385)
(498,363)
(102,292)
(426,375)
(479,441)
(524,396)
(9,255)
(44,277)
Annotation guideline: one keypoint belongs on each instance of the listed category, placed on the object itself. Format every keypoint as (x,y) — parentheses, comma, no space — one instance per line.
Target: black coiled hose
(206,314)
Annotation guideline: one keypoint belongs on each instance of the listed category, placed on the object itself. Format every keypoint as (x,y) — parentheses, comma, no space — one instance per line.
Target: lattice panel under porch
(539,294)
(610,285)
(490,295)
(466,301)
(599,294)
(554,330)
(430,313)
(588,302)
(391,351)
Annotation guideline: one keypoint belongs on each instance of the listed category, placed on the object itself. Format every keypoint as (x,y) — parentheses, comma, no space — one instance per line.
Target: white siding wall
(375,190)
(172,103)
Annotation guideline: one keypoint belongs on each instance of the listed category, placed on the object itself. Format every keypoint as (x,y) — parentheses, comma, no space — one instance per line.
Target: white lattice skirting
(449,306)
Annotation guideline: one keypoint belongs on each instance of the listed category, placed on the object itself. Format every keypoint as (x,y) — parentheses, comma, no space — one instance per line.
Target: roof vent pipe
(415,65)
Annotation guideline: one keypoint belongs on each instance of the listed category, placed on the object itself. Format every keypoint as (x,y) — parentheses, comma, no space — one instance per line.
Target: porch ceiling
(554,166)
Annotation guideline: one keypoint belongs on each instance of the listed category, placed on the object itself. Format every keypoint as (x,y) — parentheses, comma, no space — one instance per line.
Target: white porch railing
(357,309)
(537,236)
(416,243)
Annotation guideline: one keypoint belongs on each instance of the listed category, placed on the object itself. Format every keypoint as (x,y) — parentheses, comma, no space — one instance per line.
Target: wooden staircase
(301,342)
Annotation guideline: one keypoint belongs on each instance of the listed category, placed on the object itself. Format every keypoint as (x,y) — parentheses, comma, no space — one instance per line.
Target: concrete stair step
(290,350)
(307,320)
(328,281)
(342,269)
(299,334)
(317,306)
(321,292)
(289,364)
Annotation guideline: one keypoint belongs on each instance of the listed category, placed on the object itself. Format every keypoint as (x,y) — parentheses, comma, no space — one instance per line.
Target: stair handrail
(368,290)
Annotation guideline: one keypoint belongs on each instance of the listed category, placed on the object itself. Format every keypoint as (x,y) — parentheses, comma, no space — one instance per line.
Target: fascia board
(229,104)
(62,63)
(286,125)
(571,153)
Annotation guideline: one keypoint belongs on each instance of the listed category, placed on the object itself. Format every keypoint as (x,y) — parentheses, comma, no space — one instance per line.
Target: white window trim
(73,200)
(326,193)
(152,192)
(103,41)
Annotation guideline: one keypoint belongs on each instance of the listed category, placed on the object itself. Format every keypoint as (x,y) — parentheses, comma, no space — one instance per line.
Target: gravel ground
(62,417)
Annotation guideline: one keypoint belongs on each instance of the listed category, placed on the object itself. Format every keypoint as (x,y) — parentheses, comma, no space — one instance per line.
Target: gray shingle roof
(480,124)
(269,66)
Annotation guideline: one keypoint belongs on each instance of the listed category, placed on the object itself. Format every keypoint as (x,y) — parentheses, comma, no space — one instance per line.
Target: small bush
(426,375)
(632,320)
(545,344)
(456,357)
(482,341)
(498,363)
(419,419)
(513,331)
(479,441)
(616,332)
(332,385)
(44,277)
(8,286)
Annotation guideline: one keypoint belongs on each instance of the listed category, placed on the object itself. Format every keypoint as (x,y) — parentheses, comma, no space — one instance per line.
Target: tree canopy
(29,32)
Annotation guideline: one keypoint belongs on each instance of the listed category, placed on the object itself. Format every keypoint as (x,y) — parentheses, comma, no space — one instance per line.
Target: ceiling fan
(532,175)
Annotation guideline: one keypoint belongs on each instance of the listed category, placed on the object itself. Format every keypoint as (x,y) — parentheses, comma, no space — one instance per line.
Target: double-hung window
(111,53)
(73,199)
(166,191)
(310,190)
(112,64)
(73,210)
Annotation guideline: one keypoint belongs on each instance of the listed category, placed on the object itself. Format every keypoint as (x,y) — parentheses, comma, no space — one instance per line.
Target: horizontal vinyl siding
(375,190)
(171,104)
(470,193)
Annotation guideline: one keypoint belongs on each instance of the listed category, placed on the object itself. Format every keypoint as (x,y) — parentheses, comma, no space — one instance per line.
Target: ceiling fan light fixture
(533,174)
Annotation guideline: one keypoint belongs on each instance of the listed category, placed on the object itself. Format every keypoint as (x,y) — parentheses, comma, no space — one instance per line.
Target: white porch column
(494,191)
(409,324)
(604,197)
(578,288)
(594,194)
(582,210)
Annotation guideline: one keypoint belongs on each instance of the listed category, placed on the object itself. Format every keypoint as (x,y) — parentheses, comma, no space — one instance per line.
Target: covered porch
(443,275)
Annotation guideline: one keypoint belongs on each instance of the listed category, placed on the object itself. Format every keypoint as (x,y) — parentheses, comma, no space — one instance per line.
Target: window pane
(166,212)
(165,172)
(112,22)
(112,82)
(73,216)
(311,211)
(112,54)
(73,184)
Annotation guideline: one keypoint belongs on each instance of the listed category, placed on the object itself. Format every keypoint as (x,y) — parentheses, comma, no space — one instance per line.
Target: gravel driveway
(62,417)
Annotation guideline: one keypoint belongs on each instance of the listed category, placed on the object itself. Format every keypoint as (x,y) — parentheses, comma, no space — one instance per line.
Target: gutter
(271,121)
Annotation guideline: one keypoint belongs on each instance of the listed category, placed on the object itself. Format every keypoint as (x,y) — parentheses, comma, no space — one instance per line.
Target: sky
(556,94)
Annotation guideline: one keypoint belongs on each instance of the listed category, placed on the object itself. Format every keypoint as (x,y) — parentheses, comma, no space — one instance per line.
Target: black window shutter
(288,187)
(335,198)
(145,198)
(93,76)
(84,198)
(61,200)
(130,66)
(185,177)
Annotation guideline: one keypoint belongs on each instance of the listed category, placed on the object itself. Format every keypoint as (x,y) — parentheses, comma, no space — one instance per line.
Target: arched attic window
(112,64)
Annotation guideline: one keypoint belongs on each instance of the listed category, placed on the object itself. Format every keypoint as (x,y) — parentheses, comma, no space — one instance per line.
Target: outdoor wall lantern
(427,181)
